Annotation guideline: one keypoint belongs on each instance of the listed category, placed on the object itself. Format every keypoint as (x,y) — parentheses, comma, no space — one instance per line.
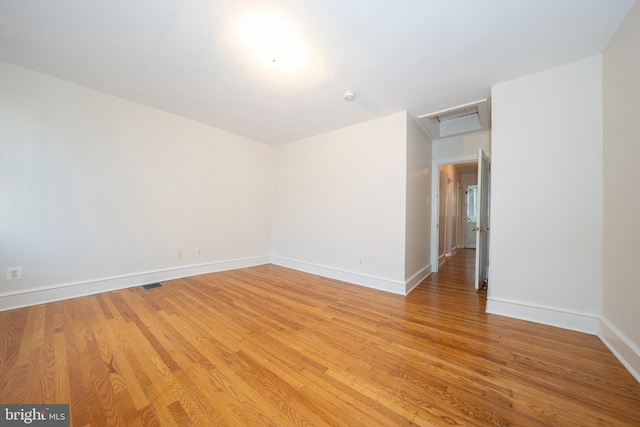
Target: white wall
(546,197)
(340,197)
(98,192)
(621,289)
(462,145)
(469,178)
(448,210)
(418,229)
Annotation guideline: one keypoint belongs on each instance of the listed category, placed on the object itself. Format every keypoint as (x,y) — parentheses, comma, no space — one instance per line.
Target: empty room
(319,213)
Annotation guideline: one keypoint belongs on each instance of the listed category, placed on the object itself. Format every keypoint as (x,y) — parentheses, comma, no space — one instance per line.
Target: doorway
(451,200)
(454,207)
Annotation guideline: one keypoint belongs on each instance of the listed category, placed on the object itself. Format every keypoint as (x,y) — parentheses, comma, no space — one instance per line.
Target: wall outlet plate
(14,273)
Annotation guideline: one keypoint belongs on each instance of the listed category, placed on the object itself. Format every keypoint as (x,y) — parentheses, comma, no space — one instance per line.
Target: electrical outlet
(361,260)
(179,254)
(14,273)
(199,251)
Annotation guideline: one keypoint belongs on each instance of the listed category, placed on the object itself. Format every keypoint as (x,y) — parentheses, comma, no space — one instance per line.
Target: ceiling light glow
(274,42)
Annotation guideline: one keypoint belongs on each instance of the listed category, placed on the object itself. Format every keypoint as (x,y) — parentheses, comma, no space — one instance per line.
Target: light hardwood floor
(272,346)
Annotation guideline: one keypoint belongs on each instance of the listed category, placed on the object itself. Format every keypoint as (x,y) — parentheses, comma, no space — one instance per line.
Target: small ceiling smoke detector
(349,95)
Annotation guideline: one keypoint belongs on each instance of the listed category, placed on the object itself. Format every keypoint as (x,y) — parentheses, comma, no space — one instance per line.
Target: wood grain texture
(269,346)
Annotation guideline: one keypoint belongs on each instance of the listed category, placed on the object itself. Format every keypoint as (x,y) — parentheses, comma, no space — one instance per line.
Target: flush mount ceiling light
(273,41)
(349,95)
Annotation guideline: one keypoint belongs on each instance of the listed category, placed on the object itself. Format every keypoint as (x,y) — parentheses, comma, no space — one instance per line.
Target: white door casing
(435,203)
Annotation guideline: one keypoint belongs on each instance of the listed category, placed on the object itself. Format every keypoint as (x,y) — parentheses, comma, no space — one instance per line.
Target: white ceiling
(185,56)
(464,168)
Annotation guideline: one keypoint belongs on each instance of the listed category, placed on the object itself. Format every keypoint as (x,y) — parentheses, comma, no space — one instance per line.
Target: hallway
(454,282)
(459,269)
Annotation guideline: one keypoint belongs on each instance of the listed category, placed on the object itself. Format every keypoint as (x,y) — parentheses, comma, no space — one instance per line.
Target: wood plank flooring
(268,346)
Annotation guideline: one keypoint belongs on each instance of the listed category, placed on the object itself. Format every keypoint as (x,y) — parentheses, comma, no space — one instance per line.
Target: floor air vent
(152,286)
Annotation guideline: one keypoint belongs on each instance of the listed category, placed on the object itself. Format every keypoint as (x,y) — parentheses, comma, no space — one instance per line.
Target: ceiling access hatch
(466,118)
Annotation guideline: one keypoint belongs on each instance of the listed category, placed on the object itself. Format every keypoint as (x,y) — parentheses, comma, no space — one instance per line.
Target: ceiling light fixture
(349,95)
(273,41)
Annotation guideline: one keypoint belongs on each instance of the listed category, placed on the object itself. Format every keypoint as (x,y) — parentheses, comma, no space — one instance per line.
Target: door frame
(435,202)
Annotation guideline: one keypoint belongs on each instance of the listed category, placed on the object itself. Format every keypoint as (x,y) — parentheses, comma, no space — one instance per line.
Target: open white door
(482,227)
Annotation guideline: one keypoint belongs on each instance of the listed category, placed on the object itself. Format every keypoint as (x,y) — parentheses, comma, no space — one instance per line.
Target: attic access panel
(466,118)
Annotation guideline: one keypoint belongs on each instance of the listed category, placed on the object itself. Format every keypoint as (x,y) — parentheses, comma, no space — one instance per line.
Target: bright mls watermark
(37,415)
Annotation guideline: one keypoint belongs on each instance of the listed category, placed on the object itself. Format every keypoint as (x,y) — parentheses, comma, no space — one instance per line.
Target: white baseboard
(441,259)
(380,283)
(547,315)
(34,296)
(417,278)
(46,294)
(621,346)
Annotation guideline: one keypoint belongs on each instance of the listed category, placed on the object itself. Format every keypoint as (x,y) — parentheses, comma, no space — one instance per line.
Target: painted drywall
(442,208)
(469,178)
(340,199)
(93,188)
(448,208)
(100,193)
(418,211)
(546,196)
(621,290)
(445,178)
(462,145)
